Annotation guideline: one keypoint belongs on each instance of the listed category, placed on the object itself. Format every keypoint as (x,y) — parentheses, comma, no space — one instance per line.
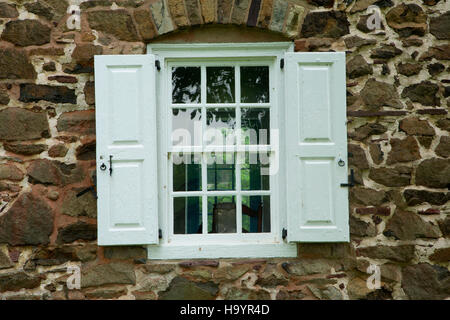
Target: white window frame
(215,246)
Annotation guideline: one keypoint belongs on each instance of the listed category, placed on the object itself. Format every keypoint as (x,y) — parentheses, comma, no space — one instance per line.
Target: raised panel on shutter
(316,139)
(126,143)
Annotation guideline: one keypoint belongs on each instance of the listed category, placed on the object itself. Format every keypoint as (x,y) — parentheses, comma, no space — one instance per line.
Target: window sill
(215,251)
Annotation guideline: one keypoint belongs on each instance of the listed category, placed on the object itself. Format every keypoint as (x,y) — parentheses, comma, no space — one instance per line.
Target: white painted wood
(316,137)
(126,130)
(221,250)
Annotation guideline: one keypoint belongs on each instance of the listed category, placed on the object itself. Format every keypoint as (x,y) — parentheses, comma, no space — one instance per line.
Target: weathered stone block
(28,222)
(26,33)
(57,94)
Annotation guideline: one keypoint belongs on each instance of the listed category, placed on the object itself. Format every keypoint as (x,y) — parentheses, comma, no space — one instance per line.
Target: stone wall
(398,126)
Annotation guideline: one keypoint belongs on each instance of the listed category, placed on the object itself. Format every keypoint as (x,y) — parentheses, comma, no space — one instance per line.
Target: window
(221,150)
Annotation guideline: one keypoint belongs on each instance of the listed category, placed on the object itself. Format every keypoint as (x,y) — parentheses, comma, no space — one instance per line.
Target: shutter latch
(282,63)
(284,233)
(159,233)
(351,179)
(158,65)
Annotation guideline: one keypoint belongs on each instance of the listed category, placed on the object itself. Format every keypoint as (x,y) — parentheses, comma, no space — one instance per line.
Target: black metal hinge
(282,63)
(284,234)
(159,233)
(351,179)
(158,65)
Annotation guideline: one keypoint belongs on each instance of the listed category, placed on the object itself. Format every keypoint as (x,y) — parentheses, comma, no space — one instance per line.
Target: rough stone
(409,69)
(111,273)
(125,252)
(10,172)
(405,225)
(84,205)
(439,52)
(441,255)
(44,171)
(77,231)
(363,26)
(367,197)
(414,197)
(182,289)
(17,281)
(246,294)
(403,150)
(435,69)
(433,173)
(376,153)
(159,268)
(8,10)
(26,33)
(443,148)
(440,26)
(57,94)
(424,92)
(52,10)
(21,124)
(231,272)
(78,122)
(445,227)
(325,24)
(310,266)
(412,42)
(5,261)
(144,24)
(385,51)
(358,158)
(89,92)
(424,281)
(357,289)
(28,222)
(117,23)
(4,97)
(105,293)
(361,228)
(161,17)
(14,64)
(86,151)
(357,42)
(278,15)
(84,53)
(58,150)
(444,124)
(376,94)
(415,126)
(368,130)
(357,67)
(407,19)
(402,253)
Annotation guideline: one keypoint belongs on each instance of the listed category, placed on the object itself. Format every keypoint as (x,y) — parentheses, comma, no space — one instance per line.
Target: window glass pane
(255,124)
(221,171)
(255,214)
(186,127)
(220,85)
(255,84)
(220,125)
(221,214)
(187,215)
(186,84)
(255,172)
(187,172)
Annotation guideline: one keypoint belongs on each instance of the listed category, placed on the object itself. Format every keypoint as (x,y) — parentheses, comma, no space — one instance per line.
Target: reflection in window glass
(185,122)
(255,124)
(255,84)
(187,215)
(186,84)
(255,172)
(187,173)
(221,214)
(220,85)
(221,172)
(224,121)
(255,214)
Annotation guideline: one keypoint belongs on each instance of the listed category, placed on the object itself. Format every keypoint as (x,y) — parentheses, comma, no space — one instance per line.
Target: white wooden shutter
(316,138)
(126,140)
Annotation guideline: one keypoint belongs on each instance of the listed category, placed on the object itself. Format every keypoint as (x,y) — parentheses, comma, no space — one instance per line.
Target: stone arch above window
(146,20)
